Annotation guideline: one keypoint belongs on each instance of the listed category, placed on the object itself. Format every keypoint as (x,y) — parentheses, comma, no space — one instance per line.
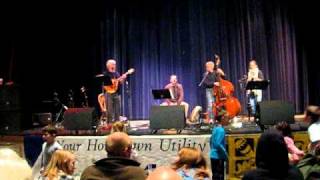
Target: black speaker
(79,119)
(42,119)
(10,122)
(273,112)
(167,117)
(10,98)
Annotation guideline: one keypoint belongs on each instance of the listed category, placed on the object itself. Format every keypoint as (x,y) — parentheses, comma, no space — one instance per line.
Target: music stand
(105,79)
(261,85)
(161,94)
(256,85)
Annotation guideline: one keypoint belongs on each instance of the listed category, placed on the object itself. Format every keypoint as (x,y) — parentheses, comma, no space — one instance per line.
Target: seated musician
(177,94)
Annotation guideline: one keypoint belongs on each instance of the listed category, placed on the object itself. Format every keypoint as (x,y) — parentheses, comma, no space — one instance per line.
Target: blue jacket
(218,144)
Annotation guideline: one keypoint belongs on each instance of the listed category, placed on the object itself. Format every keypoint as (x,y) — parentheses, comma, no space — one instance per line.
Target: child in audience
(61,166)
(118,127)
(295,154)
(50,145)
(191,164)
(218,153)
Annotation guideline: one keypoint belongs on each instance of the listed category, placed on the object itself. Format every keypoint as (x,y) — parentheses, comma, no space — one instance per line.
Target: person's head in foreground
(192,160)
(62,162)
(12,166)
(284,128)
(118,127)
(118,164)
(223,118)
(164,173)
(49,134)
(312,114)
(272,159)
(119,144)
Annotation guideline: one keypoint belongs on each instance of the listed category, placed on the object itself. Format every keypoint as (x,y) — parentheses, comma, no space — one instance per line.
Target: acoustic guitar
(115,82)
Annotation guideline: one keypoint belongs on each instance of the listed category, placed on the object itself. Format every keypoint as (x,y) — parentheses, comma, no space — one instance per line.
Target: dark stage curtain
(160,38)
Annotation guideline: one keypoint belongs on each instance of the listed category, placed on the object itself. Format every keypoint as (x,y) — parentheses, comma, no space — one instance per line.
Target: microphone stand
(128,92)
(202,81)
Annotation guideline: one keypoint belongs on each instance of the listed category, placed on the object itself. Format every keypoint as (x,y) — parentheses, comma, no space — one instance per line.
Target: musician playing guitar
(112,92)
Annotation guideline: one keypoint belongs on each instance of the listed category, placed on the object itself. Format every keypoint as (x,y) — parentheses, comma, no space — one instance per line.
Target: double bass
(225,102)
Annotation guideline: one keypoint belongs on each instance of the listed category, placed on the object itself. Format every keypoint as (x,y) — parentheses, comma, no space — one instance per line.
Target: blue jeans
(210,101)
(253,100)
(253,104)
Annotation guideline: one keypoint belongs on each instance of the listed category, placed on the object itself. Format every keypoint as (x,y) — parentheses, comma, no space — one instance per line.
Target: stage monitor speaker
(42,119)
(79,119)
(167,117)
(10,122)
(273,112)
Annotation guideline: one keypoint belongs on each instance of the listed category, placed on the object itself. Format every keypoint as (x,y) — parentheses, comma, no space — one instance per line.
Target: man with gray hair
(112,91)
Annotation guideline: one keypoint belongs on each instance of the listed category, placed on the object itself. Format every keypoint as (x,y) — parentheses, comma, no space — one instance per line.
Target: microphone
(244,78)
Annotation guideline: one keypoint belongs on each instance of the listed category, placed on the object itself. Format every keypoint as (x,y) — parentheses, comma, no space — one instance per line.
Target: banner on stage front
(160,150)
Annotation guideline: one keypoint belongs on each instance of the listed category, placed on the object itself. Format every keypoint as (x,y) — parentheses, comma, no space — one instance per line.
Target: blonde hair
(58,161)
(192,158)
(118,127)
(12,166)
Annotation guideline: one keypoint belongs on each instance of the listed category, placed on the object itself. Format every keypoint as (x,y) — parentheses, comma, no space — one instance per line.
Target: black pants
(113,106)
(217,167)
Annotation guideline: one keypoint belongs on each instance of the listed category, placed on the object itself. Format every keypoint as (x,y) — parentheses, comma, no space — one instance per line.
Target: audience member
(313,117)
(218,153)
(50,145)
(191,164)
(118,164)
(118,127)
(61,166)
(295,154)
(164,173)
(48,148)
(12,166)
(310,164)
(272,159)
